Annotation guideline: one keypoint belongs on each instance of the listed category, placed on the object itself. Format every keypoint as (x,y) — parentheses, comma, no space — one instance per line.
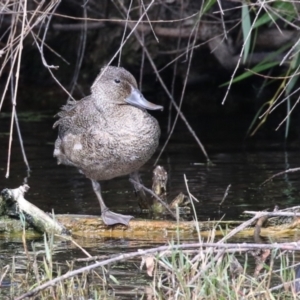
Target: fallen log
(13,202)
(92,226)
(81,225)
(86,225)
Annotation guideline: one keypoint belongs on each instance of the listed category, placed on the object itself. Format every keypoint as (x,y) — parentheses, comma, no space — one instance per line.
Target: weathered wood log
(33,215)
(82,225)
(92,226)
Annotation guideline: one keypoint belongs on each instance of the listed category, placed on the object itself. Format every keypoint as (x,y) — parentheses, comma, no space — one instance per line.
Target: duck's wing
(72,116)
(81,138)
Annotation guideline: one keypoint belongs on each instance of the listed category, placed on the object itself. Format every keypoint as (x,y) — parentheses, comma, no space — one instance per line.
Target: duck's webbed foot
(111,218)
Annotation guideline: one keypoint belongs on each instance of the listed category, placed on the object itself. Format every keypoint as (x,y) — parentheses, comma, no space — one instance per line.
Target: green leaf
(246,26)
(114,279)
(256,69)
(207,5)
(265,18)
(269,62)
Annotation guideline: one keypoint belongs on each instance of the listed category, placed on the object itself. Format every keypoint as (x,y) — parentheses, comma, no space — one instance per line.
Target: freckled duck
(108,133)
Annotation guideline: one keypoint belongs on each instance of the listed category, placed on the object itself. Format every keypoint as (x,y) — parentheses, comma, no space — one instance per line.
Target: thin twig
(225,194)
(273,213)
(124,33)
(12,86)
(279,174)
(80,51)
(17,74)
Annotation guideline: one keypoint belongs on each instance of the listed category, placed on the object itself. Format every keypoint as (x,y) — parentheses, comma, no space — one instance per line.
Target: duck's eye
(117,80)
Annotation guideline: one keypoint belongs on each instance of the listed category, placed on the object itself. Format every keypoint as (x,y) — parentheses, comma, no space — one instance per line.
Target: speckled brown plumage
(109,133)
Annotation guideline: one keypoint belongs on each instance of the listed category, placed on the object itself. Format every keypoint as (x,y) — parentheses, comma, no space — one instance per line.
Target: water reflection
(66,191)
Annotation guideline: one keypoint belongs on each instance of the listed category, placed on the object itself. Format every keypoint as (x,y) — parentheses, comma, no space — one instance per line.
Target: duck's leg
(138,186)
(109,217)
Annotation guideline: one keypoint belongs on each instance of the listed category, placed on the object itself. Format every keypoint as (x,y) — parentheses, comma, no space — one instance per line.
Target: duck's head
(115,85)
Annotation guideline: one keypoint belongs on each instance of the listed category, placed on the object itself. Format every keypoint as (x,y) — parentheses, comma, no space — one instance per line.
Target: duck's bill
(137,99)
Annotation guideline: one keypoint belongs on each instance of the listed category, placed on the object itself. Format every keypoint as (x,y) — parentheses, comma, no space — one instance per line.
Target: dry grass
(205,269)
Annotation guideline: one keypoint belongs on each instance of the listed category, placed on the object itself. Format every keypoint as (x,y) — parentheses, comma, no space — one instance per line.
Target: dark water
(243,165)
